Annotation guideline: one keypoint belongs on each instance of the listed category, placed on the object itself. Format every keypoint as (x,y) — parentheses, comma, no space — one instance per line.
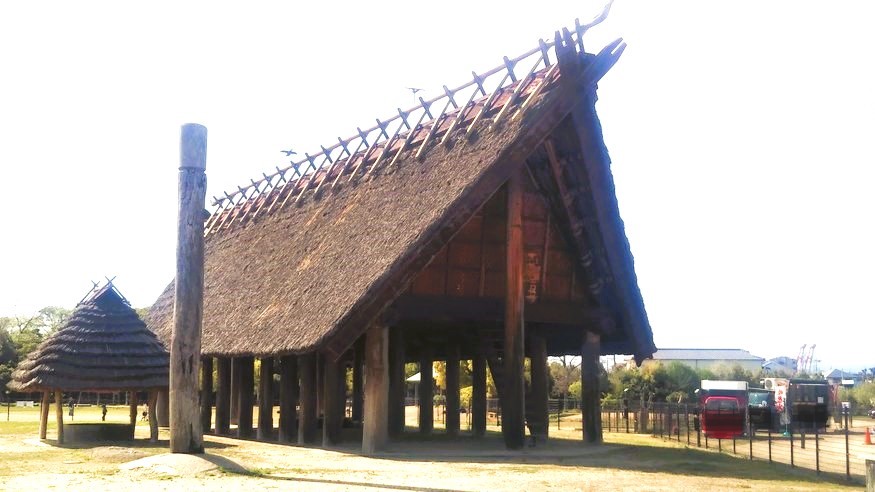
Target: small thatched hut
(103,347)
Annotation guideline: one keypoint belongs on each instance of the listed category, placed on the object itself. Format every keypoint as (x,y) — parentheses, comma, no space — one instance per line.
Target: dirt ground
(436,463)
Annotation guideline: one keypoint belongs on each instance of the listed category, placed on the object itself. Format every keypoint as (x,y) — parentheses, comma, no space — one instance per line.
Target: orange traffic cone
(868,437)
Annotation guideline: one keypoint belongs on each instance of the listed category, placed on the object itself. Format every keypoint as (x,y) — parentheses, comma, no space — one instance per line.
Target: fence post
(733,446)
(687,419)
(719,445)
(792,463)
(870,475)
(816,450)
(750,438)
(678,419)
(770,444)
(847,412)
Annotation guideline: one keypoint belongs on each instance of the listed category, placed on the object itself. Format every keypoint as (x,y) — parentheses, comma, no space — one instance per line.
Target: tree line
(20,335)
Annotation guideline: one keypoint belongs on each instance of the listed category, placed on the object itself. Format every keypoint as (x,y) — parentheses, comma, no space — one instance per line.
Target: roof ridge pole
(186,431)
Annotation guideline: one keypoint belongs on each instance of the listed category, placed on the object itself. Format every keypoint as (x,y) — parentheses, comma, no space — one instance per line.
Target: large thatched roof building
(426,223)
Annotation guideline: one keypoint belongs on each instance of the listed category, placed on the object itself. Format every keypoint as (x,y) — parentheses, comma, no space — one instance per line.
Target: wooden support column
(265,400)
(59,415)
(206,393)
(478,395)
(358,366)
(288,428)
(132,406)
(307,419)
(426,391)
(332,422)
(244,400)
(235,389)
(44,414)
(375,431)
(163,410)
(320,385)
(539,420)
(223,395)
(513,394)
(452,420)
(589,375)
(397,382)
(153,416)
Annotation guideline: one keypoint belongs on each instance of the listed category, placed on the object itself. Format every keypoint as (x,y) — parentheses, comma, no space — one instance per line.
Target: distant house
(703,358)
(780,366)
(839,377)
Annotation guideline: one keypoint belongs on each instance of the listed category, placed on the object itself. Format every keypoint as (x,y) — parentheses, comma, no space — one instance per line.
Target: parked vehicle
(723,408)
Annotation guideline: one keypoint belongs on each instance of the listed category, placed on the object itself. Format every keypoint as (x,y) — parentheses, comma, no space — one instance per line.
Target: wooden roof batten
(388,139)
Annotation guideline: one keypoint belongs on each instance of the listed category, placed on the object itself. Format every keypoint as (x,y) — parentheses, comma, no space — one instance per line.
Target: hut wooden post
(396,382)
(478,395)
(223,395)
(206,393)
(320,384)
(375,431)
(589,375)
(133,400)
(426,391)
(163,407)
(186,433)
(288,399)
(235,389)
(358,363)
(452,421)
(513,393)
(153,416)
(44,414)
(244,403)
(332,423)
(59,415)
(265,400)
(540,417)
(307,396)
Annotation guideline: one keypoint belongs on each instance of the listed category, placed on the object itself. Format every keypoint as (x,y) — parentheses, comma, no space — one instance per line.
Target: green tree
(564,371)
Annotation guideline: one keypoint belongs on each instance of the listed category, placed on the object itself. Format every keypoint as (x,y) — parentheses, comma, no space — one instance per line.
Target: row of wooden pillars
(133,400)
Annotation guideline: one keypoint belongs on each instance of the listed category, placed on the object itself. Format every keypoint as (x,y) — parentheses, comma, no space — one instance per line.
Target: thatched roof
(103,346)
(313,275)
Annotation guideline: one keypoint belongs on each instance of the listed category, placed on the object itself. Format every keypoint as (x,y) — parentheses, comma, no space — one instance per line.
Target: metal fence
(839,449)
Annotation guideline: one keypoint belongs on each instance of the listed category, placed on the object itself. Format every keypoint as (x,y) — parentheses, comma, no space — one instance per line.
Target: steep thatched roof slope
(104,346)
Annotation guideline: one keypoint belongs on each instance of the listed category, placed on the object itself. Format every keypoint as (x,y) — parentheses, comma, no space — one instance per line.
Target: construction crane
(806,364)
(800,358)
(804,359)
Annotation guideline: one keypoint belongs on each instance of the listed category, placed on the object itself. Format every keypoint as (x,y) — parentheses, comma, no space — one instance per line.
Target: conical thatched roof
(104,346)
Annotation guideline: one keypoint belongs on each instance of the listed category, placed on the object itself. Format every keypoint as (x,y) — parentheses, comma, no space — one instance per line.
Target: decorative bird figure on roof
(289,152)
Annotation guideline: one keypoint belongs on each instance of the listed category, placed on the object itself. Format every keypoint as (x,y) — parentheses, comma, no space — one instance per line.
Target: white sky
(741,135)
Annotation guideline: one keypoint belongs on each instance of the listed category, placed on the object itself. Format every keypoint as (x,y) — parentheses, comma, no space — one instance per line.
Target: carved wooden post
(589,375)
(307,396)
(244,403)
(44,415)
(540,424)
(223,395)
(206,393)
(375,431)
(265,400)
(235,389)
(153,416)
(513,393)
(163,410)
(397,405)
(186,433)
(478,395)
(133,400)
(332,421)
(59,415)
(288,429)
(426,387)
(358,363)
(452,376)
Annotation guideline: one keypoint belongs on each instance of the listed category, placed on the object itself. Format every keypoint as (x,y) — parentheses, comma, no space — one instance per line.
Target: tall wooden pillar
(265,400)
(153,416)
(132,406)
(478,395)
(186,433)
(397,382)
(452,421)
(426,387)
(539,420)
(513,403)
(288,428)
(589,375)
(206,393)
(44,414)
(307,419)
(235,389)
(163,410)
(358,366)
(223,395)
(320,385)
(332,422)
(244,400)
(59,415)
(375,431)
